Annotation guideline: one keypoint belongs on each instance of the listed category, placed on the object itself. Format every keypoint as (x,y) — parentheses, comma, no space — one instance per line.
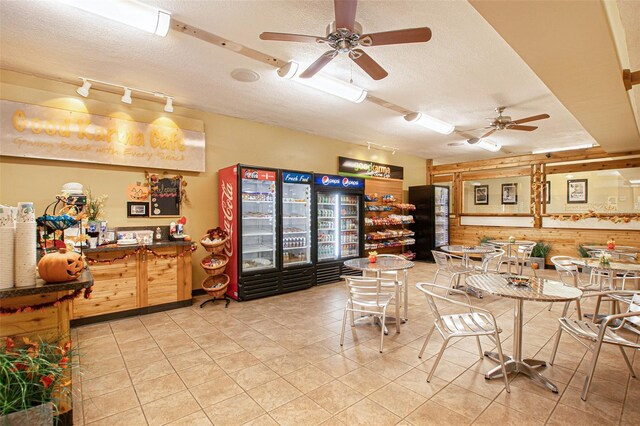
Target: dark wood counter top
(85,280)
(115,247)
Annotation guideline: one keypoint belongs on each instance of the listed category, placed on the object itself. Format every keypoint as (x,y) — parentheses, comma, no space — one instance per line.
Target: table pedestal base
(526,367)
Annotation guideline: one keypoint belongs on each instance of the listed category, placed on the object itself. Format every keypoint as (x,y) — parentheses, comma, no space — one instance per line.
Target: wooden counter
(49,324)
(135,280)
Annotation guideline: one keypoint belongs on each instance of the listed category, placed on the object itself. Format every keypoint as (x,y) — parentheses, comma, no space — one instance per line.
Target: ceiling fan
(504,122)
(344,35)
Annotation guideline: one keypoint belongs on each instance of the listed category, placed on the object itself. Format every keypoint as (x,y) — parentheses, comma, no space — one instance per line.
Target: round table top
(618,249)
(511,243)
(538,289)
(382,264)
(468,249)
(615,264)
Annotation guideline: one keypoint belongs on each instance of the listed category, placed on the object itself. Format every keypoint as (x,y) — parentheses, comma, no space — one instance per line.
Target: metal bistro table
(617,249)
(509,244)
(386,264)
(467,251)
(538,290)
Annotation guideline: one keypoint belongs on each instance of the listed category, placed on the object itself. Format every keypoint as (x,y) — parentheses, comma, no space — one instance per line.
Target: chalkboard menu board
(165,197)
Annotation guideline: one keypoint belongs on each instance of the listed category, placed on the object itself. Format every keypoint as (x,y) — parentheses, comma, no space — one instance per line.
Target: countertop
(85,280)
(114,247)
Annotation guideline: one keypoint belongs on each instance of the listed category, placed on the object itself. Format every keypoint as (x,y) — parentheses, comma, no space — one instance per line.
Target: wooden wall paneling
(599,165)
(185,275)
(429,163)
(43,322)
(162,277)
(543,197)
(142,282)
(456,208)
(497,173)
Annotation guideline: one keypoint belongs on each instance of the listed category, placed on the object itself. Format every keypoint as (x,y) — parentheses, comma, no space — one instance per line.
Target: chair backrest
(635,307)
(442,259)
(524,251)
(565,268)
(366,291)
(429,291)
(491,261)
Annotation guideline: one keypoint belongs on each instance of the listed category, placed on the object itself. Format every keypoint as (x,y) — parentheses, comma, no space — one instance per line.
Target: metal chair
(367,296)
(490,262)
(474,323)
(444,262)
(519,257)
(398,276)
(602,333)
(569,274)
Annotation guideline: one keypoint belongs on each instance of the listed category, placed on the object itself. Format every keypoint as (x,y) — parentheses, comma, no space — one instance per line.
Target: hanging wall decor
(166,194)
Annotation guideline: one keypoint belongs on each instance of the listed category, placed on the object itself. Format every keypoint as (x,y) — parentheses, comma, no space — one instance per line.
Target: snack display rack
(387,217)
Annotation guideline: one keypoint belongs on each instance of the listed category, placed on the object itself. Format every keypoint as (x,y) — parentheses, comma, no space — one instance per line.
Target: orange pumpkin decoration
(60,267)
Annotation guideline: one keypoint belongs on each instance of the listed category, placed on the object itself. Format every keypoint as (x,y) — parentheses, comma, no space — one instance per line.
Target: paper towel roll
(7,237)
(25,254)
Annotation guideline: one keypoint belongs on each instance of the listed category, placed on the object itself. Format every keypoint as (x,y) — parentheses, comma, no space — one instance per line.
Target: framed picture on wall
(137,209)
(577,191)
(509,193)
(481,193)
(547,192)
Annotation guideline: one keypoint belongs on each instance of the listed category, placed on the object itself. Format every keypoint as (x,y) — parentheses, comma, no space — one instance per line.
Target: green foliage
(29,374)
(582,250)
(541,249)
(485,238)
(95,206)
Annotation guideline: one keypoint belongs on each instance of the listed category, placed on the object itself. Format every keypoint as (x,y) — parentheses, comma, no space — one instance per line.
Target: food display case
(431,218)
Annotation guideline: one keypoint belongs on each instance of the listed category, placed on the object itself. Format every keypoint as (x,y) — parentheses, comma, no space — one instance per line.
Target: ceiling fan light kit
(324,83)
(430,123)
(128,12)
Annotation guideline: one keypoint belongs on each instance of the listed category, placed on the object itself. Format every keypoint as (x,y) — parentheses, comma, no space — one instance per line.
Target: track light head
(126,98)
(169,105)
(84,90)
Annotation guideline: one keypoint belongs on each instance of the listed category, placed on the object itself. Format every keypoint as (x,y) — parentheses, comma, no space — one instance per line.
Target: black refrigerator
(431,218)
(339,225)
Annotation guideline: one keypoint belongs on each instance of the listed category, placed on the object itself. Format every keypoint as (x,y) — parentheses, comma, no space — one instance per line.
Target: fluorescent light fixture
(429,122)
(485,144)
(634,181)
(563,148)
(324,83)
(126,98)
(128,12)
(169,106)
(84,90)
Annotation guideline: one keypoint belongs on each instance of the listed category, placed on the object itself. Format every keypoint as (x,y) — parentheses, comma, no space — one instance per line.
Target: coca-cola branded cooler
(339,224)
(269,252)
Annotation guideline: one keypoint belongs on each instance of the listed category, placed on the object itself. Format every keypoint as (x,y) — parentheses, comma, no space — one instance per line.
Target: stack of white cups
(25,246)
(7,238)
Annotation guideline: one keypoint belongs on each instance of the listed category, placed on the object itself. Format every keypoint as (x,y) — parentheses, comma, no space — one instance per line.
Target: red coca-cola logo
(226,200)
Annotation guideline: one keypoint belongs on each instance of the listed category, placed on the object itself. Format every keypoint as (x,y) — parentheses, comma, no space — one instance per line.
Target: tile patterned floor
(278,361)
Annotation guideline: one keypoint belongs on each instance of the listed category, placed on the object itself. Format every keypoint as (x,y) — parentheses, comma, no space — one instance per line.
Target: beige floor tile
(237,410)
(264,420)
(101,367)
(445,370)
(223,348)
(237,361)
(132,417)
(142,358)
(405,354)
(253,376)
(215,390)
(389,367)
(367,412)
(317,352)
(287,363)
(308,378)
(461,401)
(200,373)
(397,399)
(432,414)
(170,408)
(108,404)
(274,394)
(564,415)
(138,345)
(416,380)
(476,382)
(527,403)
(300,411)
(105,384)
(153,389)
(364,380)
(333,421)
(610,389)
(596,404)
(335,396)
(497,414)
(362,355)
(337,365)
(150,371)
(199,418)
(187,360)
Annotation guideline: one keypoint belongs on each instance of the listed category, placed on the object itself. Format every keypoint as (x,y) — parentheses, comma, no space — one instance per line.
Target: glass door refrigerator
(249,212)
(339,223)
(296,244)
(431,218)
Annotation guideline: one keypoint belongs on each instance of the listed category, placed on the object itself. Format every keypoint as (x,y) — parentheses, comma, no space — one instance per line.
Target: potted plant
(35,377)
(583,252)
(539,254)
(484,239)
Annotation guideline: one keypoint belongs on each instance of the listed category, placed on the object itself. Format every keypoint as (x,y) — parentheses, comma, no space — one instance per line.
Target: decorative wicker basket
(213,247)
(215,270)
(216,286)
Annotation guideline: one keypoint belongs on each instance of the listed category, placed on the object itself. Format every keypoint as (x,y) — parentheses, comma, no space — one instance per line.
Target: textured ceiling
(465,71)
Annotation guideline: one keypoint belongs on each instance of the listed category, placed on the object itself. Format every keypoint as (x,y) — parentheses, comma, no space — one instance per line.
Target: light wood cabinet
(141,283)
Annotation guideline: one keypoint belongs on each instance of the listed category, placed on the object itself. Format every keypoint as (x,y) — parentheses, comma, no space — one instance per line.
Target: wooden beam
(497,173)
(441,178)
(429,164)
(599,165)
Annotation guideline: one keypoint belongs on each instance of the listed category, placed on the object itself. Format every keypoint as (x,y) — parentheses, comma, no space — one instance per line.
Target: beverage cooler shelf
(259,234)
(256,249)
(295,248)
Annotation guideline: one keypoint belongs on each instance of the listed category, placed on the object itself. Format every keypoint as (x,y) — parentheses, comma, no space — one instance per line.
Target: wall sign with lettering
(56,134)
(368,169)
(165,195)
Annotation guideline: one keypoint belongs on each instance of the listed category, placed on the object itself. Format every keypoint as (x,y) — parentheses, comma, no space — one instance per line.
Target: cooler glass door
(441,212)
(296,224)
(258,219)
(327,225)
(349,226)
